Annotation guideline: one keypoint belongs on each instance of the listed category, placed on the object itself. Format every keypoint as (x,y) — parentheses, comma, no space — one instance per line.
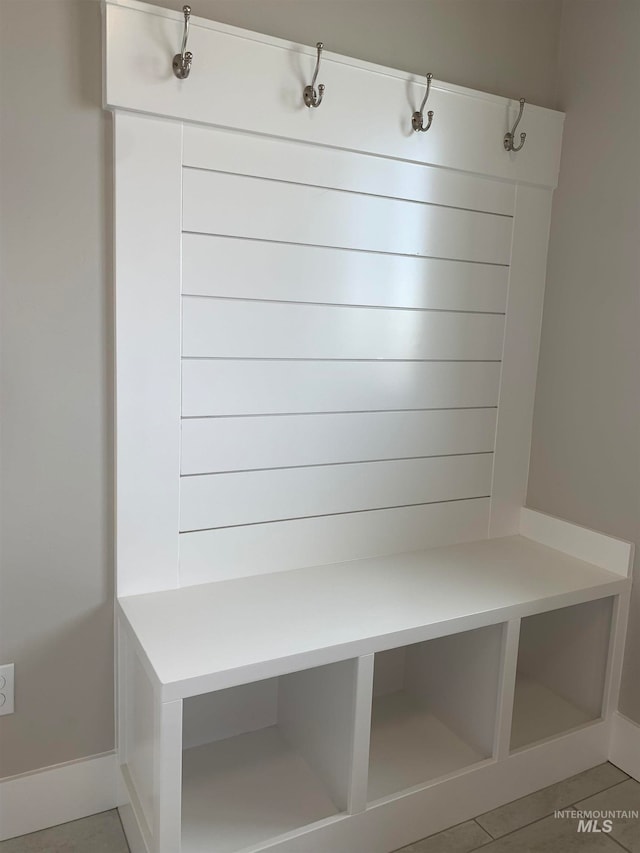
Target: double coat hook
(182,61)
(417,119)
(311,97)
(509,137)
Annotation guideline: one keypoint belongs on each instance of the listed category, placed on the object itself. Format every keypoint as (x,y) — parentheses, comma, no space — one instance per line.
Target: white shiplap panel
(230,328)
(232,552)
(249,497)
(255,269)
(240,206)
(280,159)
(272,387)
(233,444)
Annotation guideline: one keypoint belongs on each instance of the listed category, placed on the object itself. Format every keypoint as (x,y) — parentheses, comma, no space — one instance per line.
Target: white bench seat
(212,636)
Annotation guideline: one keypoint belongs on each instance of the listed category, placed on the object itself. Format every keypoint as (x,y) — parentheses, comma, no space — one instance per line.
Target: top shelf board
(230,63)
(212,636)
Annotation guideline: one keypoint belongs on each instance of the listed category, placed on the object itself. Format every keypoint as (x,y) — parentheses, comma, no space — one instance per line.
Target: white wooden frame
(147,266)
(154,115)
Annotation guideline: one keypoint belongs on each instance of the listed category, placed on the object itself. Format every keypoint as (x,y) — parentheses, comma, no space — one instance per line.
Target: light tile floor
(523,826)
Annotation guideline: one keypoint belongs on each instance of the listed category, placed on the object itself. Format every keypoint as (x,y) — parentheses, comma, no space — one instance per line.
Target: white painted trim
(615,656)
(42,798)
(147,237)
(615,555)
(624,750)
(167,782)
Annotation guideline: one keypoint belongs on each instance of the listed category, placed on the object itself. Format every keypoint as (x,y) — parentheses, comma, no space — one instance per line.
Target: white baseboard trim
(43,798)
(624,751)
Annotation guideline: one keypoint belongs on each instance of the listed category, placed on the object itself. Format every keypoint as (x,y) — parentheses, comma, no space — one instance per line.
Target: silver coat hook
(182,61)
(509,137)
(311,97)
(417,119)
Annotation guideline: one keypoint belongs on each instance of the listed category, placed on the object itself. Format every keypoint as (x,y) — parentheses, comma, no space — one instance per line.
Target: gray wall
(56,538)
(585,460)
(56,577)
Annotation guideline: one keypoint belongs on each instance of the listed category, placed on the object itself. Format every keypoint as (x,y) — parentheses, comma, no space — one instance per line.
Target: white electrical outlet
(6,688)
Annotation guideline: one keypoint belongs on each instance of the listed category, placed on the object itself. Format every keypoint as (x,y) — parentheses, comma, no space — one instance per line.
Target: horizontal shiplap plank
(213,555)
(230,328)
(244,154)
(249,497)
(235,444)
(240,206)
(254,269)
(272,387)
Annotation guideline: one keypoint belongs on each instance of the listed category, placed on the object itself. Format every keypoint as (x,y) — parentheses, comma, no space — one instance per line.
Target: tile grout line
(513,831)
(615,841)
(486,831)
(617,784)
(538,820)
(545,817)
(623,782)
(491,835)
(447,829)
(548,814)
(124,834)
(597,793)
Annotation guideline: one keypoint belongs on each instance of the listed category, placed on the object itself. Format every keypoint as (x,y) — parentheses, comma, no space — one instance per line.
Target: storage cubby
(562,664)
(434,709)
(263,759)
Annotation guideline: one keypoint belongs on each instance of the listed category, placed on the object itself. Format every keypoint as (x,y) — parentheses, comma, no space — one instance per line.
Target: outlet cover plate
(6,689)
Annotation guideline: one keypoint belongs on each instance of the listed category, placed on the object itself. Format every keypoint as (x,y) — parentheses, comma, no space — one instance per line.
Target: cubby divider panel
(434,709)
(562,665)
(267,758)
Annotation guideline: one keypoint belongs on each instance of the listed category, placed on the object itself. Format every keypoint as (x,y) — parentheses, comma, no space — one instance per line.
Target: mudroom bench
(292,710)
(338,630)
